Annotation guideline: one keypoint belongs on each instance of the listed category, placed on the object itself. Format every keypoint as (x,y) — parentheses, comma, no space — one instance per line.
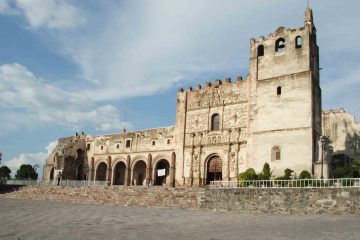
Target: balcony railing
(296,183)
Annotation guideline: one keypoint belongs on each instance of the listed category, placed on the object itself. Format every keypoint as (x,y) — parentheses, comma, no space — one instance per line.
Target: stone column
(127,172)
(172,170)
(108,172)
(92,170)
(192,160)
(226,176)
(148,170)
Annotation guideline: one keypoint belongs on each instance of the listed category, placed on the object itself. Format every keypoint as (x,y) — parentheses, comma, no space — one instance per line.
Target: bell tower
(285,96)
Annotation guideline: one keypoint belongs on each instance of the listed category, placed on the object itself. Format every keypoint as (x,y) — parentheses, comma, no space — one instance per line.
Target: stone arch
(214,167)
(298,42)
(79,172)
(52,174)
(161,173)
(100,173)
(215,122)
(280,45)
(119,173)
(138,176)
(260,51)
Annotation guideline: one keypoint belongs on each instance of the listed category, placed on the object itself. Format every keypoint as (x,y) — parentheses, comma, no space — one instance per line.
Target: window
(298,42)
(117,146)
(275,153)
(128,143)
(280,45)
(215,122)
(102,147)
(168,141)
(153,143)
(278,90)
(88,146)
(260,51)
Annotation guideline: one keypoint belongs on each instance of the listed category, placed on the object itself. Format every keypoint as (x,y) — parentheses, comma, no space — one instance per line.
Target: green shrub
(305,175)
(248,175)
(344,172)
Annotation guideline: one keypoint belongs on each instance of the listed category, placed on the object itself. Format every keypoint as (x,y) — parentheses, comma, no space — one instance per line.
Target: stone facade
(221,129)
(343,131)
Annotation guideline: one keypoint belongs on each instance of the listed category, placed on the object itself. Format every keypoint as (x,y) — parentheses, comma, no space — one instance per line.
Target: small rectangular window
(153,143)
(117,146)
(278,156)
(102,147)
(168,141)
(88,146)
(128,143)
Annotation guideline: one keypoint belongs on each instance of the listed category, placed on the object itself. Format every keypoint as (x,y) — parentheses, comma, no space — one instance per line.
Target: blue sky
(68,66)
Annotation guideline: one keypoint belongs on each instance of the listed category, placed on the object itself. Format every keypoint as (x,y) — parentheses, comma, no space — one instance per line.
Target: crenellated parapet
(217,93)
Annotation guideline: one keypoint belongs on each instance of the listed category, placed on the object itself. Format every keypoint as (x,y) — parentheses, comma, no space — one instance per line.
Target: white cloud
(143,48)
(38,158)
(50,14)
(51,146)
(7,7)
(28,98)
(27,158)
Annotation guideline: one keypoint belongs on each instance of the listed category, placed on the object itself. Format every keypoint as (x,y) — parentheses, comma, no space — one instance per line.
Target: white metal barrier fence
(71,183)
(296,183)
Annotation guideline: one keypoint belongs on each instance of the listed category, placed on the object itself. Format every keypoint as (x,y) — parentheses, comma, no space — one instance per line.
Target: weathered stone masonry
(272,116)
(288,201)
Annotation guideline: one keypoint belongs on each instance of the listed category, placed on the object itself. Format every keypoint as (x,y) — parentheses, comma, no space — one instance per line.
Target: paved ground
(27,219)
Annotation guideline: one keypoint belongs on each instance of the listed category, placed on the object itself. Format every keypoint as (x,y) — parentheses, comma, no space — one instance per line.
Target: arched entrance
(79,172)
(214,169)
(139,173)
(161,174)
(101,172)
(52,174)
(119,174)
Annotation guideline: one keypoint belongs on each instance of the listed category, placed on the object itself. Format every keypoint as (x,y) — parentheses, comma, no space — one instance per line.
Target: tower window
(117,146)
(276,153)
(215,122)
(168,141)
(280,45)
(153,143)
(260,50)
(88,146)
(278,90)
(102,147)
(298,42)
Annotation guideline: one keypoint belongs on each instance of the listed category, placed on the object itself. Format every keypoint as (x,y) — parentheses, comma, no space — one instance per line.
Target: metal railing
(71,183)
(296,183)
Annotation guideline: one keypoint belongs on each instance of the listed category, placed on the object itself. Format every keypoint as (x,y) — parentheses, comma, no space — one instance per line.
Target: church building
(222,128)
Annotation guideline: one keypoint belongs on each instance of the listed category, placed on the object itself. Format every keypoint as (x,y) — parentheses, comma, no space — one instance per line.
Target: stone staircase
(180,197)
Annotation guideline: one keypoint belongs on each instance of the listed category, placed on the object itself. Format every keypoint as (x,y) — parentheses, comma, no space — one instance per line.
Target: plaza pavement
(29,219)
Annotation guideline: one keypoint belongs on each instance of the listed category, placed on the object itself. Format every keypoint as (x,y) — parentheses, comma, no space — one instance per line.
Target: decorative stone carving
(215,97)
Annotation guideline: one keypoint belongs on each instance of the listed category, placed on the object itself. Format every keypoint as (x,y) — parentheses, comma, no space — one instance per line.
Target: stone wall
(294,201)
(284,201)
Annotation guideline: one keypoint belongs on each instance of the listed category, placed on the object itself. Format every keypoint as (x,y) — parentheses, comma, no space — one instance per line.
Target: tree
(266,173)
(4,174)
(26,171)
